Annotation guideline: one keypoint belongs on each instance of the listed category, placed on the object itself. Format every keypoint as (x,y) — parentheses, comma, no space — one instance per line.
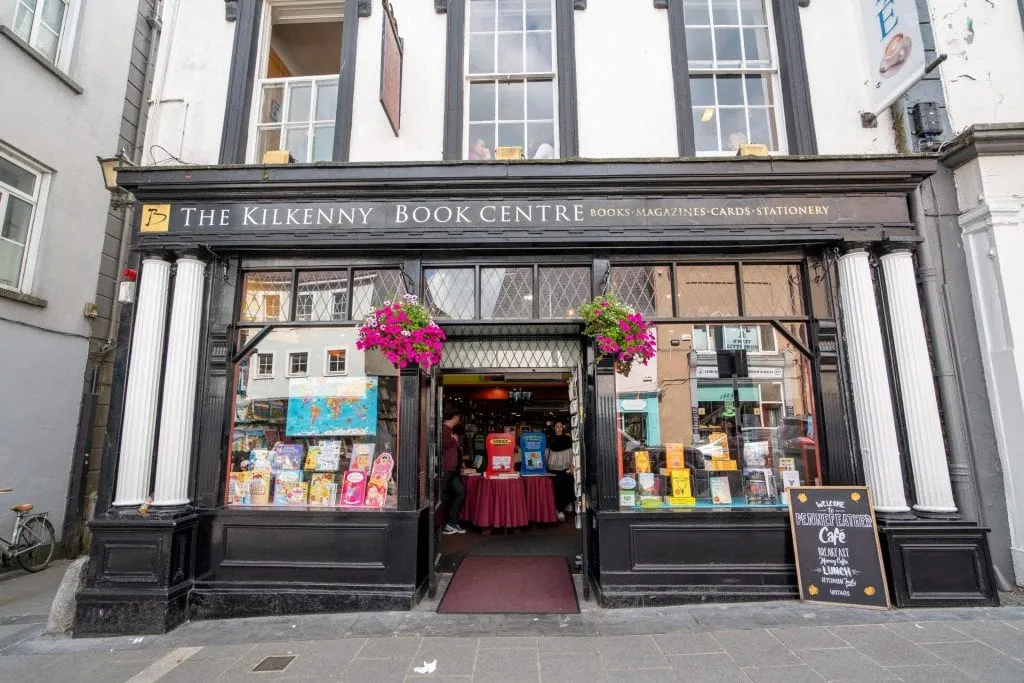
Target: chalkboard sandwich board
(838,559)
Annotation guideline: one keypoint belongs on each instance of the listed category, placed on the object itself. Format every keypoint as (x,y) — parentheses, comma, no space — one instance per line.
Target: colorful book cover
(759,487)
(533,446)
(723,465)
(674,457)
(789,478)
(720,493)
(642,459)
(362,457)
(261,459)
(755,454)
(288,456)
(353,489)
(322,494)
(312,456)
(329,457)
(259,486)
(627,499)
(377,487)
(239,488)
(680,481)
(291,493)
(787,464)
(646,484)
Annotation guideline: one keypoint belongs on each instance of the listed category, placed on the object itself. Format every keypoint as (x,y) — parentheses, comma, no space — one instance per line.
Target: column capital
(191,255)
(847,248)
(161,255)
(904,245)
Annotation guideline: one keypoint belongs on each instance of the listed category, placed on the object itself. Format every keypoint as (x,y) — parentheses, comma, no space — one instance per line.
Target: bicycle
(32,541)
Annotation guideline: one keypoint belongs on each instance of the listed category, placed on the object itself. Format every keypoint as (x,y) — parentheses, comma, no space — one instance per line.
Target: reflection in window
(733,74)
(648,289)
(506,293)
(450,292)
(772,290)
(694,435)
(265,296)
(510,69)
(562,290)
(325,435)
(707,291)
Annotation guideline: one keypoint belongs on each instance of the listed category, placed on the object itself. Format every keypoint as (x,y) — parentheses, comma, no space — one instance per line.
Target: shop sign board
(753,372)
(559,214)
(392,57)
(895,49)
(835,540)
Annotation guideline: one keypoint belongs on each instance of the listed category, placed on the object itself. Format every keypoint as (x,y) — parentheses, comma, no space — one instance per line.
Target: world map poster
(332,406)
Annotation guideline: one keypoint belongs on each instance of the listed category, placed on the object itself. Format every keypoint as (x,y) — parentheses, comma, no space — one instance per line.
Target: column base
(140,573)
(937,563)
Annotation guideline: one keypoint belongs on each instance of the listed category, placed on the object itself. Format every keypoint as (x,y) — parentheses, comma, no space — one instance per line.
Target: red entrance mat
(499,585)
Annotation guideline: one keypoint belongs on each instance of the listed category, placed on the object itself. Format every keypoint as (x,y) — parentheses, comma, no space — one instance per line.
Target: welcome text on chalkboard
(838,558)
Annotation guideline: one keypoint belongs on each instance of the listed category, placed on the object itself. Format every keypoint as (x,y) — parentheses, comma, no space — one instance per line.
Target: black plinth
(692,556)
(937,563)
(140,573)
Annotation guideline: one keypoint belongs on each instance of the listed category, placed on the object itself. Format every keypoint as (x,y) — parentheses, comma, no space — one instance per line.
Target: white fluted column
(876,424)
(932,487)
(174,450)
(138,427)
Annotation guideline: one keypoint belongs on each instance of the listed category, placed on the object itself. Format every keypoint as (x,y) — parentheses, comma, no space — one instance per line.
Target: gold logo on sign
(155,218)
(870,590)
(812,589)
(802,498)
(854,496)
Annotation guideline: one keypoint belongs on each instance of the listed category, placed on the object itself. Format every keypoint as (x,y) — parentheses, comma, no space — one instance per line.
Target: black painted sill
(34,54)
(22,298)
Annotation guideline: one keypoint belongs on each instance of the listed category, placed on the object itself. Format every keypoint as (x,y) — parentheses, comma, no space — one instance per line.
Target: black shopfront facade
(557,222)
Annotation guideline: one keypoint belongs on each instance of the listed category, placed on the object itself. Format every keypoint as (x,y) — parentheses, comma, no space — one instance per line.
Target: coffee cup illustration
(894,54)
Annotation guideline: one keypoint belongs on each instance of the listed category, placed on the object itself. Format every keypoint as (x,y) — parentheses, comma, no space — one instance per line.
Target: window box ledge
(22,298)
(34,54)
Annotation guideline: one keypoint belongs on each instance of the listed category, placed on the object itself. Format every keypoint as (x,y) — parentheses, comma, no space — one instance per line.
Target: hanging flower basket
(404,332)
(620,332)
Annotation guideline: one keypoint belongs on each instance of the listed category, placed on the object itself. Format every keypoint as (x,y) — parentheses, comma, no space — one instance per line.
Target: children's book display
(707,474)
(533,446)
(500,452)
(293,474)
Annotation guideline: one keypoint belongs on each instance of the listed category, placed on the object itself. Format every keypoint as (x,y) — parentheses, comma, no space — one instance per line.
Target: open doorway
(524,506)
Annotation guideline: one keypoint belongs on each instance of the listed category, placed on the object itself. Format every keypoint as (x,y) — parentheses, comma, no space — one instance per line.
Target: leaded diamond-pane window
(450,292)
(266,297)
(562,290)
(304,307)
(506,293)
(371,288)
(707,291)
(327,291)
(772,290)
(648,289)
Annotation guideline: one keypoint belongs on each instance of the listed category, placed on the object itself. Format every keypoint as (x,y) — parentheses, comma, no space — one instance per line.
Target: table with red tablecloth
(511,502)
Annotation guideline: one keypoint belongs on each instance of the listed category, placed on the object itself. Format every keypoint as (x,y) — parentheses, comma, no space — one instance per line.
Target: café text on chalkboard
(838,559)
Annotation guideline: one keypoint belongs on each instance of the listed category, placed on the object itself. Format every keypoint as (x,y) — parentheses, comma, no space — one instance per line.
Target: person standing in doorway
(560,464)
(451,460)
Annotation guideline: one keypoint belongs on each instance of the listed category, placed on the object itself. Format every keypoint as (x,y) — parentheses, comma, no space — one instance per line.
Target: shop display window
(314,422)
(722,417)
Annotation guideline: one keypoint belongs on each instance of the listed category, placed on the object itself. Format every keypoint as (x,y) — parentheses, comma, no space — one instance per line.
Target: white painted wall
(624,81)
(984,70)
(44,348)
(424,33)
(839,80)
(190,84)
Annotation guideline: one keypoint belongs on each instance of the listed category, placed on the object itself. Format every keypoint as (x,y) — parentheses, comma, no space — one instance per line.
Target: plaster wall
(991,195)
(984,42)
(425,36)
(839,81)
(624,81)
(190,84)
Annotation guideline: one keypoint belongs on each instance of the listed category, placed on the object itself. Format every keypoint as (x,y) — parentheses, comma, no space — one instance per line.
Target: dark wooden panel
(127,561)
(340,545)
(665,546)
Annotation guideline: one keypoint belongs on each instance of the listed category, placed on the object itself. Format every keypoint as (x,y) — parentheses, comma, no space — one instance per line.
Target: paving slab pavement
(776,641)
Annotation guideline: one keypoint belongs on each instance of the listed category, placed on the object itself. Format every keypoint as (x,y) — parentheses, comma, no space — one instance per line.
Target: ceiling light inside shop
(708,114)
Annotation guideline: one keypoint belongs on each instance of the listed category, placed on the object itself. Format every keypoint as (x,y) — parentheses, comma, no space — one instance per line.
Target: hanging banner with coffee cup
(895,48)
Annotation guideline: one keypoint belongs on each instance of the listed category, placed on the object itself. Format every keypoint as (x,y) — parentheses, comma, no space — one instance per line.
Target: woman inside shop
(560,464)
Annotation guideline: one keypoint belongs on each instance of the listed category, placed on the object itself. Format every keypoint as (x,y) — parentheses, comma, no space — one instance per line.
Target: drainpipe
(961,466)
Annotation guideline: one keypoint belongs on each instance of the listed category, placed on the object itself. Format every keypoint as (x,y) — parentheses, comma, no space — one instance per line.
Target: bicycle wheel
(36,538)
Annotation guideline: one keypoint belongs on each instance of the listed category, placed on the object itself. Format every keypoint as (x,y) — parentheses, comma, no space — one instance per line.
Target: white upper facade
(512,78)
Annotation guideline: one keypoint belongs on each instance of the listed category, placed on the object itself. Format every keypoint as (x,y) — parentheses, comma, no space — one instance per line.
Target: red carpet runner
(499,585)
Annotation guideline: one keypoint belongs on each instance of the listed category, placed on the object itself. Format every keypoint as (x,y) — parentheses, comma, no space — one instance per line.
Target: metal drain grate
(274,663)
